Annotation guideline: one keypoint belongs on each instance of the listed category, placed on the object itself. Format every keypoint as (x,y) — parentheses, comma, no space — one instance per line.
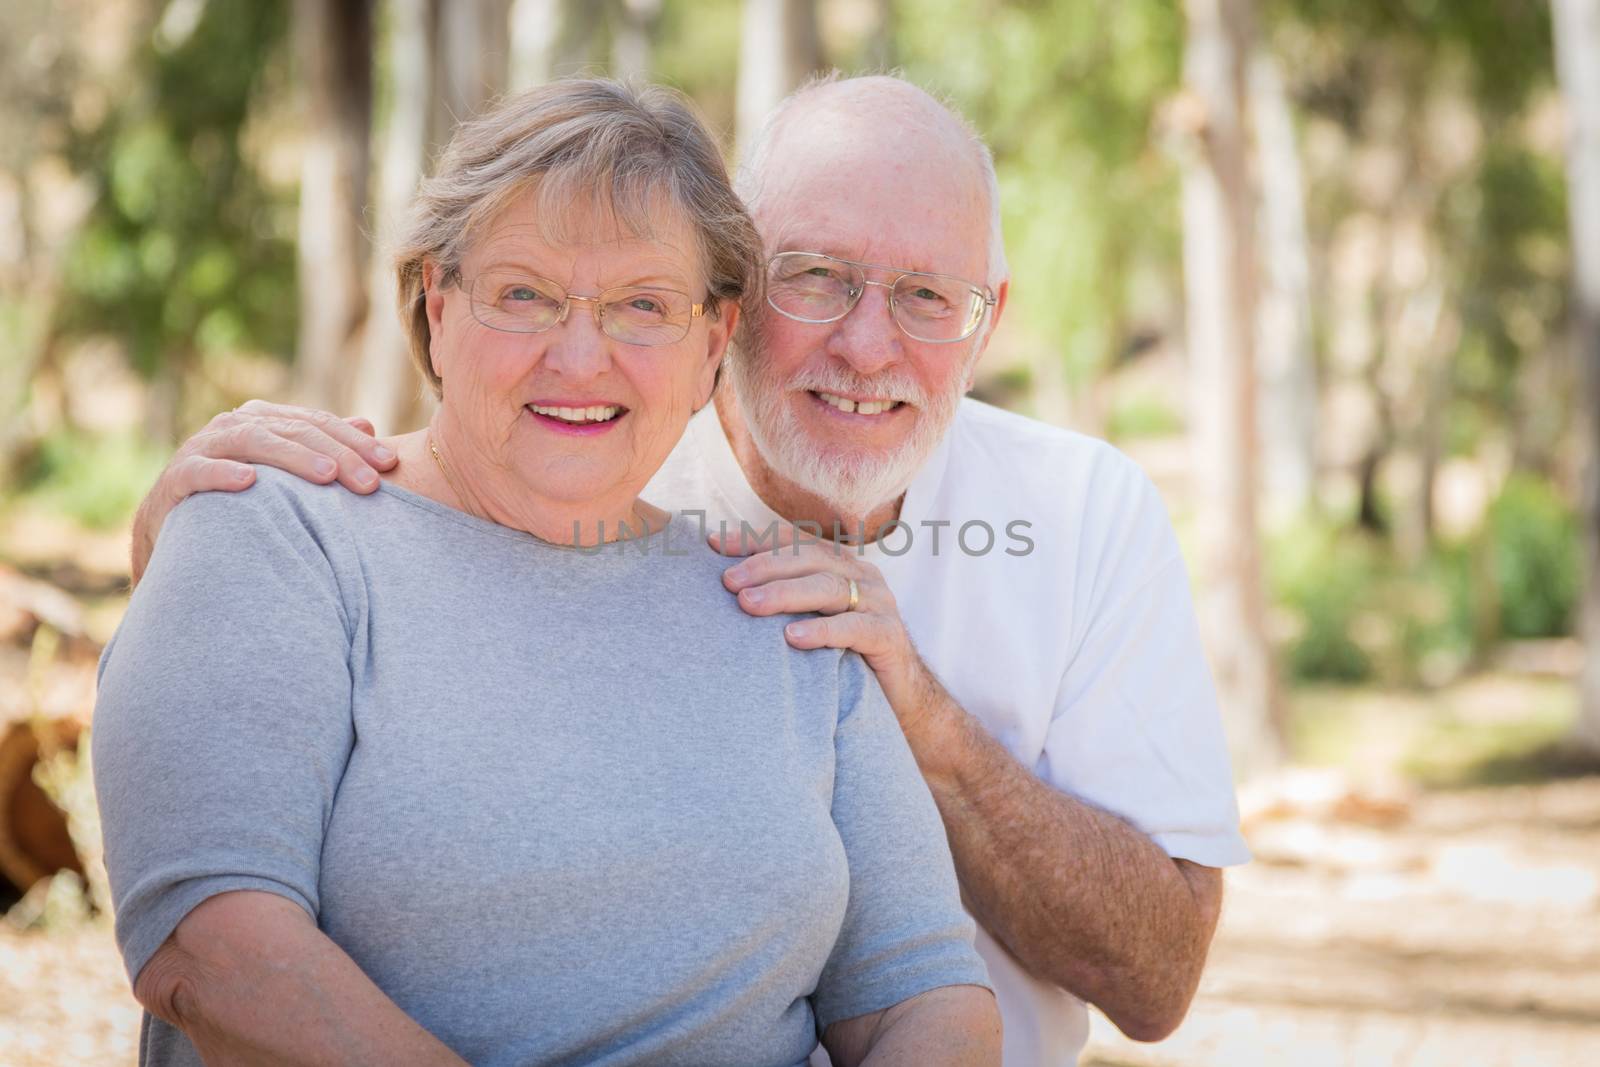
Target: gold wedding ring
(855,595)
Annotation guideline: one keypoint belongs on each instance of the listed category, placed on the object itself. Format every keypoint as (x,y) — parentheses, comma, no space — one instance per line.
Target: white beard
(854,485)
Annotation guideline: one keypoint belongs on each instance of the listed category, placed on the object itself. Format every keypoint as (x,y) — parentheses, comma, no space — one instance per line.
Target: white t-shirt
(1070,634)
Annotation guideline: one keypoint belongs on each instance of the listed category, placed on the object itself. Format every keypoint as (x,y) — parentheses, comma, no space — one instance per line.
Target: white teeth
(862,407)
(594,413)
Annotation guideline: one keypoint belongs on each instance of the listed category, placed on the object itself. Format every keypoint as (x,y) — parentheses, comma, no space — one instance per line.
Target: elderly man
(1017,588)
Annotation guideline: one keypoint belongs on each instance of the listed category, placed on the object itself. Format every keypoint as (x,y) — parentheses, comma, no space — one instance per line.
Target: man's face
(908,200)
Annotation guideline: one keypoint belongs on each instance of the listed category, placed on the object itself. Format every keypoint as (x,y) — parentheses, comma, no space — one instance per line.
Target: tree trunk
(881,52)
(30,279)
(470,60)
(1577,34)
(779,48)
(534,26)
(1284,358)
(445,61)
(551,38)
(333,43)
(35,841)
(633,38)
(387,386)
(1220,281)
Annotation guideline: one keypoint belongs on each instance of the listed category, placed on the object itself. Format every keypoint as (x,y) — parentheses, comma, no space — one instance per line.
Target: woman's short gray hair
(621,149)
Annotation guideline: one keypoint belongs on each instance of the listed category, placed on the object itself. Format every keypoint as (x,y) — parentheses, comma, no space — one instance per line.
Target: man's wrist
(935,727)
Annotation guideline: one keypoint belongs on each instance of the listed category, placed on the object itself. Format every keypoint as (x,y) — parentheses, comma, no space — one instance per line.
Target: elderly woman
(443,774)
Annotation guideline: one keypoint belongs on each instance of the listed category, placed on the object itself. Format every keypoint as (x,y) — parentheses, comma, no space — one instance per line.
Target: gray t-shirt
(561,807)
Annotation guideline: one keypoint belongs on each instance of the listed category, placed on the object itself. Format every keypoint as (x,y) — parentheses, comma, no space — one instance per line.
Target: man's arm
(313,445)
(954,1025)
(250,980)
(1080,897)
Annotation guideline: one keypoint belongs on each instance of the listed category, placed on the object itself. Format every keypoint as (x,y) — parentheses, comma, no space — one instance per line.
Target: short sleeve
(1136,728)
(904,931)
(222,725)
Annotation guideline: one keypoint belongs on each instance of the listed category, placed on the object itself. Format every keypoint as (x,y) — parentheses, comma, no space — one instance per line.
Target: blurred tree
(633,39)
(1090,206)
(1221,274)
(386,387)
(438,63)
(1286,393)
(881,53)
(333,51)
(779,47)
(187,251)
(1577,37)
(44,83)
(534,28)
(1436,217)
(471,58)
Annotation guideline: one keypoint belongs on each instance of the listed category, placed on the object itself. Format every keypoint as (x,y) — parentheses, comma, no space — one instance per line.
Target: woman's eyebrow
(517,264)
(656,281)
(659,278)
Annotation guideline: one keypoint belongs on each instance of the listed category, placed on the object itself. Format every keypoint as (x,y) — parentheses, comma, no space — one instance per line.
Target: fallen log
(35,842)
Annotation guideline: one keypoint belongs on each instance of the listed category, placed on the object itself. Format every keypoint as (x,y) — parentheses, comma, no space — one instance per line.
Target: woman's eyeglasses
(634,315)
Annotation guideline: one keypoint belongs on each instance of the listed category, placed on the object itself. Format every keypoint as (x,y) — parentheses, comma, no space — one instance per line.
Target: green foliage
(1537,558)
(1489,728)
(1358,612)
(1067,95)
(1505,43)
(1142,416)
(97,480)
(689,33)
(1455,750)
(1324,578)
(186,246)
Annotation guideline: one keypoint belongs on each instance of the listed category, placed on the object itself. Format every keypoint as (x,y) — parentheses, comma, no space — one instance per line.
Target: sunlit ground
(1388,923)
(1426,887)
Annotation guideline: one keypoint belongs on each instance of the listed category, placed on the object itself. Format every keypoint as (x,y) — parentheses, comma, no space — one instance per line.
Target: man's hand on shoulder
(796,573)
(307,443)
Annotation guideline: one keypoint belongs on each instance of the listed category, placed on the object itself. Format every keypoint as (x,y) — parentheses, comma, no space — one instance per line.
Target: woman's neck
(434,464)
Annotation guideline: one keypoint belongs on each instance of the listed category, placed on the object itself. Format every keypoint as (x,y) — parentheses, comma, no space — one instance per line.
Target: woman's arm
(955,1025)
(903,983)
(249,979)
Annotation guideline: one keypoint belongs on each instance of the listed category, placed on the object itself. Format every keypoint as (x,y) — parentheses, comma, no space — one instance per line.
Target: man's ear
(433,299)
(1002,291)
(717,337)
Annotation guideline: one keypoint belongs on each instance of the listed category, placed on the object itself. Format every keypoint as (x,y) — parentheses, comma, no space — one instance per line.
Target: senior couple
(496,761)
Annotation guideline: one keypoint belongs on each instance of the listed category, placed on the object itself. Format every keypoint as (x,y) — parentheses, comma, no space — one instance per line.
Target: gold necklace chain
(451,482)
(445,471)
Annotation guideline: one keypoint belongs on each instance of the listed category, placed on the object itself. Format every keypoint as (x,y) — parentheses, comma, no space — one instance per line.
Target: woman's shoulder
(277,510)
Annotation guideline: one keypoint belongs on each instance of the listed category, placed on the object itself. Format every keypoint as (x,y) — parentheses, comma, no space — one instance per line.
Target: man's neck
(789,500)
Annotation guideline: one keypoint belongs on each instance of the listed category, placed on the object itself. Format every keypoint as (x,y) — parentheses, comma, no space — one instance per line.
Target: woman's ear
(433,299)
(718,335)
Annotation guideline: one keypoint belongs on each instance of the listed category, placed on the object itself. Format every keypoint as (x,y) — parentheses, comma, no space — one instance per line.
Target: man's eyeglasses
(634,315)
(810,287)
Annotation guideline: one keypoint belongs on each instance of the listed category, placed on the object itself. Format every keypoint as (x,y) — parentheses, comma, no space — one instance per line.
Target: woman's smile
(574,419)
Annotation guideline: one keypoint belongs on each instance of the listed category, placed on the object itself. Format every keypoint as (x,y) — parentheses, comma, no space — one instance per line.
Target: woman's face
(625,404)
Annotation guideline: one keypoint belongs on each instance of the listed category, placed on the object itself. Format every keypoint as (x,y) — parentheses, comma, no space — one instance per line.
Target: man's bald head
(875,123)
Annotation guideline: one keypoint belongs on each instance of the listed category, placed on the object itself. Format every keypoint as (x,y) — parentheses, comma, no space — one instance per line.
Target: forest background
(1329,270)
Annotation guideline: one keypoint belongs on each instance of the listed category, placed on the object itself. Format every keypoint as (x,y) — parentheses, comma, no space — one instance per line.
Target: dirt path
(1468,935)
